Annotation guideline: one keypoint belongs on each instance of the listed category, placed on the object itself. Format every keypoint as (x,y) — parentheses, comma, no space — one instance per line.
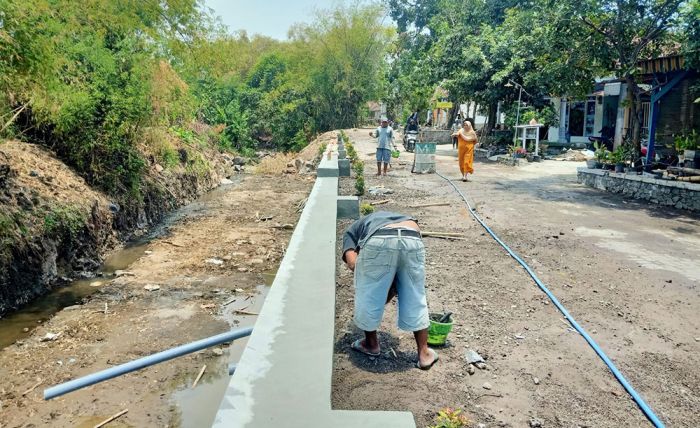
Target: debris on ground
(473,357)
(573,155)
(536,423)
(151,287)
(379,190)
(50,337)
(214,261)
(120,272)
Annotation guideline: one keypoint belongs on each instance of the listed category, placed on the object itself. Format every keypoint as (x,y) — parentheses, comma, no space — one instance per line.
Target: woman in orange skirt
(466,141)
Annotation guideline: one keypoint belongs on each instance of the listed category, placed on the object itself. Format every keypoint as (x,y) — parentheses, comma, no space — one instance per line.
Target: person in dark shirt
(412,122)
(385,250)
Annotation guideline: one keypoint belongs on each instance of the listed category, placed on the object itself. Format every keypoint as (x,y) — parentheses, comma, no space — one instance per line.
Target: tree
(630,30)
(344,54)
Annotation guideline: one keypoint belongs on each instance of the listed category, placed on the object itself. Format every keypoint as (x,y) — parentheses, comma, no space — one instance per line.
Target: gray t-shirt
(384,136)
(359,232)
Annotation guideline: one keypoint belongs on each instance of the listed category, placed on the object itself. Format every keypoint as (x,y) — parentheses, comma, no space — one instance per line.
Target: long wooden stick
(241,311)
(32,388)
(106,421)
(436,204)
(385,201)
(455,235)
(454,238)
(199,376)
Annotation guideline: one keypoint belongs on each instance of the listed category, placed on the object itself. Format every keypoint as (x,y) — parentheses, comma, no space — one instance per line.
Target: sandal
(435,360)
(359,347)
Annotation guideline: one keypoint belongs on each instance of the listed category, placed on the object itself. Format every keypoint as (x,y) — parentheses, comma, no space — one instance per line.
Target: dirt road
(628,272)
(212,260)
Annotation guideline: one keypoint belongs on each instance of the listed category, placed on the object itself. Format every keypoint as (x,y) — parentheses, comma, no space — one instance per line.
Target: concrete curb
(284,376)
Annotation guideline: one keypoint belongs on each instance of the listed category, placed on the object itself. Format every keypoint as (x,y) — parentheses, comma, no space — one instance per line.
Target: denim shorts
(380,260)
(384,155)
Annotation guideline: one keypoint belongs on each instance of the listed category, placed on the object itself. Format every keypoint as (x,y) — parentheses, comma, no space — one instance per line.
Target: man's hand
(350,259)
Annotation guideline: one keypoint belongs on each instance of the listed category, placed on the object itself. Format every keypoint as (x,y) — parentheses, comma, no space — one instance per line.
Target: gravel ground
(626,271)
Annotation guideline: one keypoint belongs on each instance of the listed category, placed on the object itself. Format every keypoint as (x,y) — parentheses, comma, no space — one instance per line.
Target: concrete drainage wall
(284,376)
(678,194)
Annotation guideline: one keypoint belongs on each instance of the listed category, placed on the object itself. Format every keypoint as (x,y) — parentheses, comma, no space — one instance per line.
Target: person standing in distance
(385,136)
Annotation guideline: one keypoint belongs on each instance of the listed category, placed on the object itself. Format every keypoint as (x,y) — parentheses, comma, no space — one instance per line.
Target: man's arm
(350,258)
(351,240)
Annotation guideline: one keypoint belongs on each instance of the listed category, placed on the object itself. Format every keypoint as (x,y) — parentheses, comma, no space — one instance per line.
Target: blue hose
(65,388)
(648,412)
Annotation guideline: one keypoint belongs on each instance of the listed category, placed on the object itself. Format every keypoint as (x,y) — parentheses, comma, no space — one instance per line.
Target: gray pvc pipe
(91,379)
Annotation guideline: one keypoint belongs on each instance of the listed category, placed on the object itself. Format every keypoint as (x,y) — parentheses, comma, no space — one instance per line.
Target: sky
(268,17)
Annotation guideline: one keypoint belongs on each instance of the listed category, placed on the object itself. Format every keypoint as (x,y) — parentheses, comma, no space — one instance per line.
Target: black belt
(397,231)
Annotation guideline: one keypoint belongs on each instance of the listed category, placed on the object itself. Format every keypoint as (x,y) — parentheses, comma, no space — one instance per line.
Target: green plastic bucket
(438,331)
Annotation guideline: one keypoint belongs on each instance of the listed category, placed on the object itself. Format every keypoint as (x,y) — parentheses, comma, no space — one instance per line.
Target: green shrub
(366,208)
(450,418)
(63,221)
(322,149)
(360,185)
(359,168)
(352,153)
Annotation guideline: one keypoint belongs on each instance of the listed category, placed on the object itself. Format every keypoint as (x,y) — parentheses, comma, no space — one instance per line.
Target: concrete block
(327,172)
(348,207)
(344,167)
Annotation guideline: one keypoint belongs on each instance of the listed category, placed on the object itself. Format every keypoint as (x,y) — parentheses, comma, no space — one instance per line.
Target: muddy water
(198,406)
(18,325)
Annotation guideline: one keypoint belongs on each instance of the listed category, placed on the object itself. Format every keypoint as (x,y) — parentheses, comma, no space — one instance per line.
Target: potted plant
(690,144)
(520,152)
(680,143)
(618,158)
(530,155)
(601,154)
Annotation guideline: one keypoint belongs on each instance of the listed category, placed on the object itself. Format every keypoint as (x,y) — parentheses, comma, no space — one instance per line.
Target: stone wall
(678,194)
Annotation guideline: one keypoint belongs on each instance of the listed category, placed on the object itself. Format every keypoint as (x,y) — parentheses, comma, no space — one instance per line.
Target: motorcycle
(410,138)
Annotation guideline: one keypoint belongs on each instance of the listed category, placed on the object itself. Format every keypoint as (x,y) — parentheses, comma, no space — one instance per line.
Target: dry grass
(277,164)
(311,151)
(53,180)
(274,165)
